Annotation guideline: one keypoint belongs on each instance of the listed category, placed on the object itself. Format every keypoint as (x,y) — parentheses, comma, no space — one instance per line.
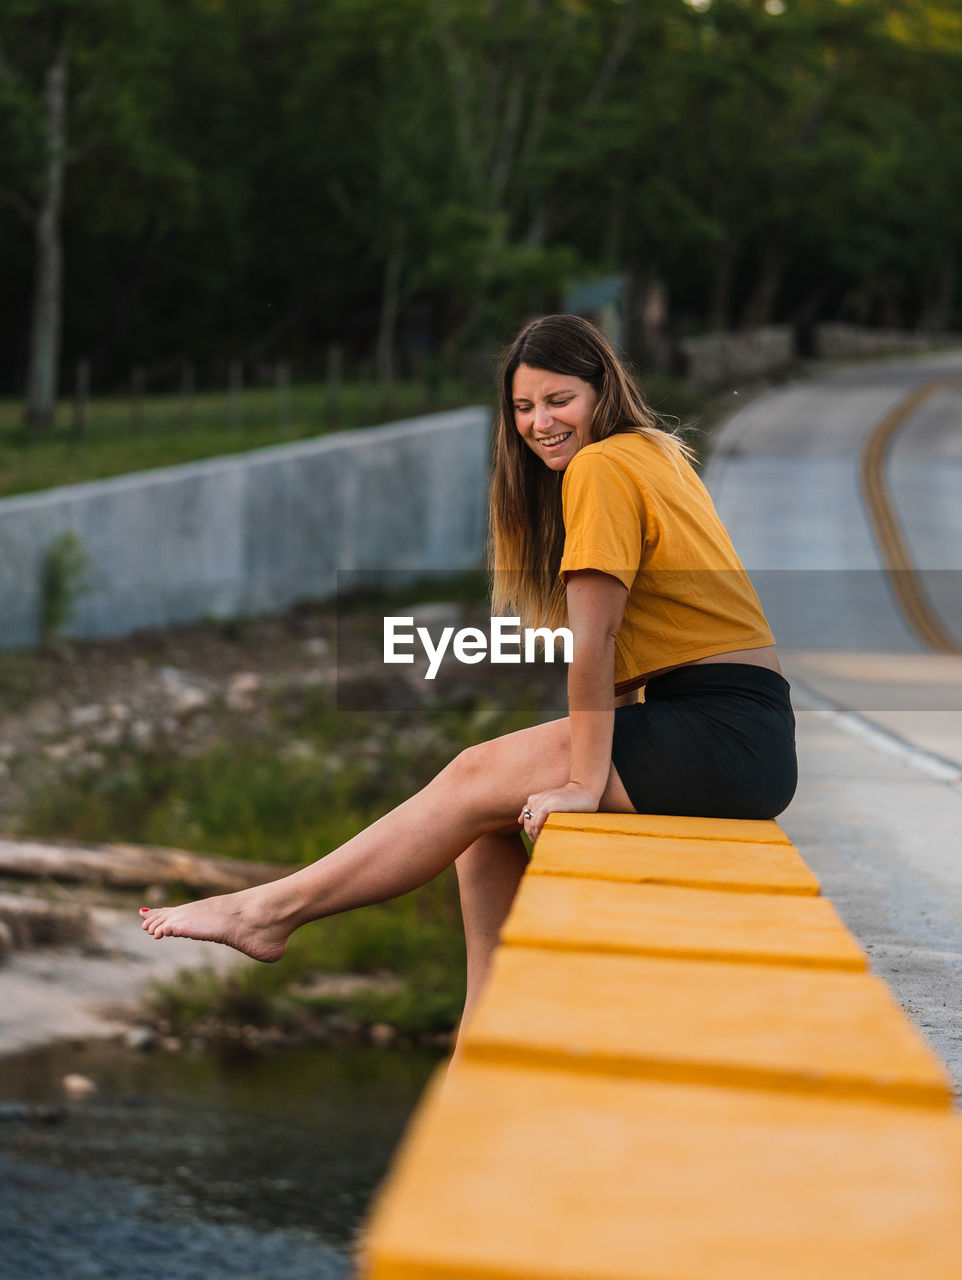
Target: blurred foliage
(168,435)
(173,429)
(291,794)
(258,179)
(62,583)
(287,793)
(416,939)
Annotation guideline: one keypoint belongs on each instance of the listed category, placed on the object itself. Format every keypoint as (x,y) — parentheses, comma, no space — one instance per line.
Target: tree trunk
(720,306)
(760,308)
(938,308)
(48,277)
(390,307)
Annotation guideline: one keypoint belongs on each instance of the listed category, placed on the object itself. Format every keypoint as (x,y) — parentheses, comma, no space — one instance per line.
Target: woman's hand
(571,798)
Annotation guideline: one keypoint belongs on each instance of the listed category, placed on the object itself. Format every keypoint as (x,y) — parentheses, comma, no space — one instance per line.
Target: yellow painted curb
(774,1027)
(542,1175)
(654,824)
(727,864)
(596,915)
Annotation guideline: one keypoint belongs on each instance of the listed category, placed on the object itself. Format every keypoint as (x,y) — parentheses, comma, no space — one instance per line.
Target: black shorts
(712,741)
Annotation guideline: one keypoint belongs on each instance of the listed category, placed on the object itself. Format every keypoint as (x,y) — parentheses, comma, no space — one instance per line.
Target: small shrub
(61,584)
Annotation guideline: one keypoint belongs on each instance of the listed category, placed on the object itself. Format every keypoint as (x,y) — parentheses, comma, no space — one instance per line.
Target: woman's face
(553,413)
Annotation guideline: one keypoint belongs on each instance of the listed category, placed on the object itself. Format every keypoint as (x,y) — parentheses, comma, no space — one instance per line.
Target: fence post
(186,393)
(137,381)
(283,395)
(235,393)
(80,396)
(332,399)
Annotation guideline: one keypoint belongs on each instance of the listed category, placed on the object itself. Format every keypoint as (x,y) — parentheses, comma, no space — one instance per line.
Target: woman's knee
(485,783)
(494,777)
(474,765)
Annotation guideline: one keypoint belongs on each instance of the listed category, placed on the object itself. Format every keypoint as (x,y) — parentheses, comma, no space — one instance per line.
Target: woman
(597,519)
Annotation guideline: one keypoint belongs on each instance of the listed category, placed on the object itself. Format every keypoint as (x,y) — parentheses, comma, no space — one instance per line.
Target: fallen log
(32,922)
(130,866)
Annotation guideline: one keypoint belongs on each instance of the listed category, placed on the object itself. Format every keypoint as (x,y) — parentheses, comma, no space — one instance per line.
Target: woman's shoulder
(633,452)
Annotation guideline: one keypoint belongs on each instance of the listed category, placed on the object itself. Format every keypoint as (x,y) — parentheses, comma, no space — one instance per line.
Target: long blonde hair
(525,526)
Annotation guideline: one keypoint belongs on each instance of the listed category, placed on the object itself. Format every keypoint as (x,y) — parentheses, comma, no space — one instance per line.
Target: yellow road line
(902,572)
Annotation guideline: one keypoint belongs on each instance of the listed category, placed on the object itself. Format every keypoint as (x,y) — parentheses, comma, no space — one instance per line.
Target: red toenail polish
(144,910)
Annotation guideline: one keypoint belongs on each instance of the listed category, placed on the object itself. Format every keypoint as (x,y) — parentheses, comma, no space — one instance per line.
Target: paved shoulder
(874,816)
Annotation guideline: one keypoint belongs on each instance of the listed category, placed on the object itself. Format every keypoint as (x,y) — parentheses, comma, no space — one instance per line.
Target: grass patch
(115,442)
(417,939)
(289,794)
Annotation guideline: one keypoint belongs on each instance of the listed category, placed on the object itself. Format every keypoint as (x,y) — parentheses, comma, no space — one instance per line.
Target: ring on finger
(528,813)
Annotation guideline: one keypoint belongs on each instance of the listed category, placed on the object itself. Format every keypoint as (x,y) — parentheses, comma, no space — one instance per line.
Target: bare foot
(236,919)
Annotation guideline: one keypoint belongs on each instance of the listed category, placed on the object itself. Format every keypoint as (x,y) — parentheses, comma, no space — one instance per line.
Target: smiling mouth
(550,441)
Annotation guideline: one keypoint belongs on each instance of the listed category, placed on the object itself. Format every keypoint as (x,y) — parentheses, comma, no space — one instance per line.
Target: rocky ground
(77,962)
(74,958)
(189,687)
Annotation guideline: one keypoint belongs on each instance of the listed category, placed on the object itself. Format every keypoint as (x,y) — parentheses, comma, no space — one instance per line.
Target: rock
(31,1113)
(189,701)
(90,761)
(81,717)
(78,1086)
(140,1038)
(109,735)
(382,1034)
(36,922)
(241,689)
(142,733)
(344,986)
(184,695)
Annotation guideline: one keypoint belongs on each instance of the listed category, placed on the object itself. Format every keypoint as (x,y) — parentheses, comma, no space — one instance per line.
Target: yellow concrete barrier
(679,1070)
(656,824)
(750,1025)
(728,864)
(648,919)
(544,1175)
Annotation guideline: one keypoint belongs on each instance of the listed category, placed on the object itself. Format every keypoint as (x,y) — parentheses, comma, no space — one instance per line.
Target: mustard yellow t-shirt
(643,516)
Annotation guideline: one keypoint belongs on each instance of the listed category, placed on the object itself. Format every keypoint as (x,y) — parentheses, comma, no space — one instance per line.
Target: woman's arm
(596,605)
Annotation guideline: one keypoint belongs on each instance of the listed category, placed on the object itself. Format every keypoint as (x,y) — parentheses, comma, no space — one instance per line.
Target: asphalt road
(878,814)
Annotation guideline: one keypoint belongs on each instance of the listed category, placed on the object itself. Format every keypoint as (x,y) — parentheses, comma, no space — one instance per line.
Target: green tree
(79,84)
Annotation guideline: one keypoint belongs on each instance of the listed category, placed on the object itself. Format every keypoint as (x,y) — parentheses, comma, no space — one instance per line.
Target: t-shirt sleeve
(604,518)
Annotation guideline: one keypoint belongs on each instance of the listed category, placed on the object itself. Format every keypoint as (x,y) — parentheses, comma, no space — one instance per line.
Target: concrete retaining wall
(716,358)
(842,341)
(253,532)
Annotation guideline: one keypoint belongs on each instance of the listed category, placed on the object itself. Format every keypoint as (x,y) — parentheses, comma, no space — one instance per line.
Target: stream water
(199,1165)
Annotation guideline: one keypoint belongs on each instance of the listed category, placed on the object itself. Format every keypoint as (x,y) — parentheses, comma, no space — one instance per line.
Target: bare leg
(480,792)
(488,877)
